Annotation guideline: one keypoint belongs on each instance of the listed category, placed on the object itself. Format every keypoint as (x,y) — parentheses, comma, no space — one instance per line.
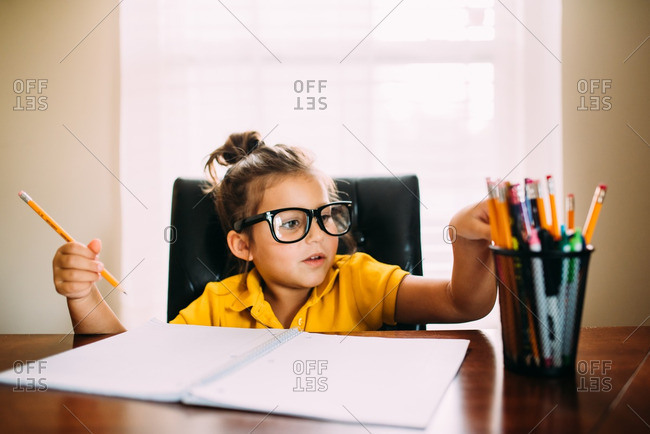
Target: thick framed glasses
(290,225)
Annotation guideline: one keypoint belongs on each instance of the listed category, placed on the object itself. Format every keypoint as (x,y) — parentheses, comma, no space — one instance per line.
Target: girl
(283,221)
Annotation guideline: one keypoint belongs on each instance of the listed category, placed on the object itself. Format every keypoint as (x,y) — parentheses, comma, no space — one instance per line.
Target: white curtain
(453,91)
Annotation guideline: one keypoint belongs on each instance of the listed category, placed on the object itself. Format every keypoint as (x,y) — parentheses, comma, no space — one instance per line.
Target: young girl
(283,220)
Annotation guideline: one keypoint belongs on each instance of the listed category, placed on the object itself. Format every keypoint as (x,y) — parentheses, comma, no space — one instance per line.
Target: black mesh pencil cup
(541,296)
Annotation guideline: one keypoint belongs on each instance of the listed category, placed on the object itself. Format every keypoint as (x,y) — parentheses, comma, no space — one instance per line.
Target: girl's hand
(472,222)
(76,269)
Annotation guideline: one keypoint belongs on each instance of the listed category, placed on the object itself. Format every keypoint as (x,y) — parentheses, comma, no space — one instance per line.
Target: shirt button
(299,321)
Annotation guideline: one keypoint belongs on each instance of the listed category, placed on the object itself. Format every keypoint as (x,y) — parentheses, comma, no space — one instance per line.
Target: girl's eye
(290,224)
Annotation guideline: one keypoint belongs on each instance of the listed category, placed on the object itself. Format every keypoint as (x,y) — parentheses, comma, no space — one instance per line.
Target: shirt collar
(251,295)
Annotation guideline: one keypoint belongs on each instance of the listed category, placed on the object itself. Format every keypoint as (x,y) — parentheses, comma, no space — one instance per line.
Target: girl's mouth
(315,260)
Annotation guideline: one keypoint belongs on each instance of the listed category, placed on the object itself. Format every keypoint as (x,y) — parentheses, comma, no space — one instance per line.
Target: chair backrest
(385,224)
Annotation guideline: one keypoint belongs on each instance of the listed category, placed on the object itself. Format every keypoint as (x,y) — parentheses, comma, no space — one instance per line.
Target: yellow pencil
(555,226)
(495,231)
(594,211)
(59,230)
(570,211)
(542,213)
(503,215)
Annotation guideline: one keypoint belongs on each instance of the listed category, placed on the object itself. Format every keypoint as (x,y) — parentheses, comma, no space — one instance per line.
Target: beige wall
(600,147)
(41,157)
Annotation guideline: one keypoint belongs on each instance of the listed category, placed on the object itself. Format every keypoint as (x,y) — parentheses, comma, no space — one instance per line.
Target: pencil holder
(541,296)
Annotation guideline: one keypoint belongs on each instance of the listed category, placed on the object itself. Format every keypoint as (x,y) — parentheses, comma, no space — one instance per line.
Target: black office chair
(385,224)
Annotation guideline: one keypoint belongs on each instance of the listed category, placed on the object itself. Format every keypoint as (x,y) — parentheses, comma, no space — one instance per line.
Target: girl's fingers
(95,246)
(72,275)
(77,262)
(75,248)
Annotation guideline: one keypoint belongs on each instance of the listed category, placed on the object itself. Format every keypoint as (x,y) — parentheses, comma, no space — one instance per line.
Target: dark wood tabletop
(608,393)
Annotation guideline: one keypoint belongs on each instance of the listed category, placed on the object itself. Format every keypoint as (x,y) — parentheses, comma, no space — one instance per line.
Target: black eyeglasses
(290,225)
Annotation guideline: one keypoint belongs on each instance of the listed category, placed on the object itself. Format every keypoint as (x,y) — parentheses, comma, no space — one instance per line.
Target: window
(453,91)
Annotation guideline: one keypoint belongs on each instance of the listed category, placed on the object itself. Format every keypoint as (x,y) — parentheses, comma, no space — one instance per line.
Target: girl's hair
(253,166)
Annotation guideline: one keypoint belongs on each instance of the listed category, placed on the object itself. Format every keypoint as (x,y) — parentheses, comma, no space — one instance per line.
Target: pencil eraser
(24,196)
(602,186)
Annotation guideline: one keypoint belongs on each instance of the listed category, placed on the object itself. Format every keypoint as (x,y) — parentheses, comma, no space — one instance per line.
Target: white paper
(387,381)
(156,361)
(368,380)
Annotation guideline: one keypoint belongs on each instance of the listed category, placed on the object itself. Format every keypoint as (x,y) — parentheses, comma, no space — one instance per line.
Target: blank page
(155,361)
(372,380)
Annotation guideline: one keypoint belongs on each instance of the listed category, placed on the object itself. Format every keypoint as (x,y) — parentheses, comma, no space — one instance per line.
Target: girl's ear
(239,245)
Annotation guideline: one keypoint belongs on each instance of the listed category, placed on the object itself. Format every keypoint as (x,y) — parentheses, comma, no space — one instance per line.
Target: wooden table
(609,393)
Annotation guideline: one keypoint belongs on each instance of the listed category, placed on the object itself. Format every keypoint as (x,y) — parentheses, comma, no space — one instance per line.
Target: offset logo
(29,94)
(593,376)
(31,376)
(309,94)
(593,94)
(309,375)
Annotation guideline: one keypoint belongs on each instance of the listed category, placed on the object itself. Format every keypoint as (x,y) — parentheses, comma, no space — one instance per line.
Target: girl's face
(300,265)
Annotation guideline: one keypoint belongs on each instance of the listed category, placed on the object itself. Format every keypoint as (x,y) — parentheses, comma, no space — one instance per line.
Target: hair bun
(237,147)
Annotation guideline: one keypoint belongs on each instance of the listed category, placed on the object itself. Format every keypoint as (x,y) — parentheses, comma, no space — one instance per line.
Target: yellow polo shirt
(357,294)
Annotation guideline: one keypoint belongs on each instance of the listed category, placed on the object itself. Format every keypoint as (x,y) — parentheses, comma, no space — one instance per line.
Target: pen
(532,193)
(59,230)
(594,211)
(551,195)
(570,212)
(521,229)
(521,223)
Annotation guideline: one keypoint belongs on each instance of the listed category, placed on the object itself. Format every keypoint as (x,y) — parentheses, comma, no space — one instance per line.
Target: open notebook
(370,380)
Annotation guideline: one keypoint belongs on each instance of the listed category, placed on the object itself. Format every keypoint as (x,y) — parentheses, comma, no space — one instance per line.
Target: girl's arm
(470,294)
(75,271)
(92,315)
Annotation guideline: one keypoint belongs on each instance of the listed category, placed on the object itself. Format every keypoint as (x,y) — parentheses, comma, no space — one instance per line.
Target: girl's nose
(315,232)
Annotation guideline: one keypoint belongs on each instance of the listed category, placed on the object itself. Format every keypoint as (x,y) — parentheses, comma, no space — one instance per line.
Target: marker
(570,212)
(555,226)
(563,293)
(575,242)
(59,230)
(594,211)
